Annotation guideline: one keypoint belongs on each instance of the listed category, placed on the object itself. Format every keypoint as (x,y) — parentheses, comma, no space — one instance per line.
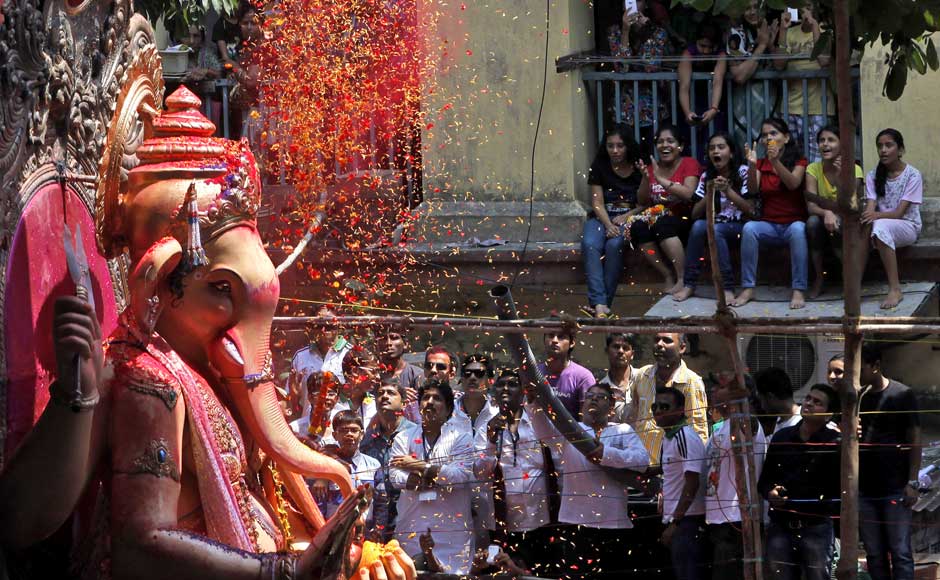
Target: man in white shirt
(324,354)
(473,409)
(622,348)
(722,508)
(509,442)
(432,465)
(682,459)
(593,502)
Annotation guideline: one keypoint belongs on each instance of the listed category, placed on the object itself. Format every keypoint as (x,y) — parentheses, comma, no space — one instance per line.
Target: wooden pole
(853,246)
(742,440)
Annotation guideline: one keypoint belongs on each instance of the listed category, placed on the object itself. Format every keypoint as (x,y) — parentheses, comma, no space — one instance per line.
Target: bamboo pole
(702,325)
(853,246)
(742,440)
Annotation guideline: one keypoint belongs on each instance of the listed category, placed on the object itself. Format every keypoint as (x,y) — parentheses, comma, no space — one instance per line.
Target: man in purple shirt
(568,379)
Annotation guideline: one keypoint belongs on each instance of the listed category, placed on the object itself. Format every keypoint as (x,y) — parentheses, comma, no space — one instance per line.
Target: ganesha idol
(204,477)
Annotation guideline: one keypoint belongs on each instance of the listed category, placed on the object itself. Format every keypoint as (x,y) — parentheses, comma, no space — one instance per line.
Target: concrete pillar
(482,98)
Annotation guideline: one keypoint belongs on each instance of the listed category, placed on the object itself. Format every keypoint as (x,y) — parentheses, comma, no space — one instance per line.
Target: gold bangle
(74,401)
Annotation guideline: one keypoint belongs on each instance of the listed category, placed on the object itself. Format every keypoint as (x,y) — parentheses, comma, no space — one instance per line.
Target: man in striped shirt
(668,371)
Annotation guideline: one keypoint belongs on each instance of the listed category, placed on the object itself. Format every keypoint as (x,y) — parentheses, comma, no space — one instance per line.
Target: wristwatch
(914,484)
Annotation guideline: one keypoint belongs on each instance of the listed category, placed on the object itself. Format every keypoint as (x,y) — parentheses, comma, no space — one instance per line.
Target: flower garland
(649,215)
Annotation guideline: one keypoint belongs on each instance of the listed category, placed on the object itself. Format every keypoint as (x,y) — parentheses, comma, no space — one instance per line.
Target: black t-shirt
(886,417)
(619,192)
(811,479)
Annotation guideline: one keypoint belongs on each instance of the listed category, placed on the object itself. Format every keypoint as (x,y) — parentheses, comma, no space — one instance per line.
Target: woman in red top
(779,179)
(666,194)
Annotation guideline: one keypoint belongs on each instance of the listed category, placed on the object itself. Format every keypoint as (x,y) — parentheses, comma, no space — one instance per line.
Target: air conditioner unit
(804,357)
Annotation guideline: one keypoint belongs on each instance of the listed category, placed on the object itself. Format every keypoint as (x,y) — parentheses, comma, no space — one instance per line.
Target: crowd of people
(649,194)
(773,199)
(471,474)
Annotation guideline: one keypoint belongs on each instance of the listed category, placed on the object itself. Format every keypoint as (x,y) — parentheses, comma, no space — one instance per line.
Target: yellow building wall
(916,115)
(487,64)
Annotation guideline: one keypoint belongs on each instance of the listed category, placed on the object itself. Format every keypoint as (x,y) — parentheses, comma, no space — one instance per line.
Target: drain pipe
(545,396)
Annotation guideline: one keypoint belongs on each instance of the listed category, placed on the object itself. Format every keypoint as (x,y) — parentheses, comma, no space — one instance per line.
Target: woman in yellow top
(824,226)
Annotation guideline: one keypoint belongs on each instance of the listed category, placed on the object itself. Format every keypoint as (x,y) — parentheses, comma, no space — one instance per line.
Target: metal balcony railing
(742,103)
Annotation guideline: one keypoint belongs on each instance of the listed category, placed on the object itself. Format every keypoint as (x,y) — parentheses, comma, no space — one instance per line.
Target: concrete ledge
(446,221)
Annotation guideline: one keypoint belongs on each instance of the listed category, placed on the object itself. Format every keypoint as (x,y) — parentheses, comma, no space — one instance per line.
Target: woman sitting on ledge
(614,182)
(779,179)
(666,197)
(895,191)
(726,175)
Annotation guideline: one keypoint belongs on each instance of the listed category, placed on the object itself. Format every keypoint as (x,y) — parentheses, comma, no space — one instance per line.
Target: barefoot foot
(669,285)
(743,298)
(816,289)
(729,297)
(797,301)
(677,287)
(893,298)
(684,293)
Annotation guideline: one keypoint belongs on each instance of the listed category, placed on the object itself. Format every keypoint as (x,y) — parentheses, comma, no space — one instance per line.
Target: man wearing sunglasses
(472,412)
(682,458)
(439,365)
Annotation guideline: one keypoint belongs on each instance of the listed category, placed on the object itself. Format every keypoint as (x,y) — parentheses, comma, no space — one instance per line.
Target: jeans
(603,262)
(727,551)
(689,560)
(885,528)
(756,234)
(725,233)
(796,553)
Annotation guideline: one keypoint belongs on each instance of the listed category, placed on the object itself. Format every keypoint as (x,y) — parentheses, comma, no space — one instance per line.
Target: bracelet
(74,401)
(278,567)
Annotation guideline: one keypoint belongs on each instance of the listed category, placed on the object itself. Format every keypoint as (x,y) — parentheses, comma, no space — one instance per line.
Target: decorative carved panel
(73,75)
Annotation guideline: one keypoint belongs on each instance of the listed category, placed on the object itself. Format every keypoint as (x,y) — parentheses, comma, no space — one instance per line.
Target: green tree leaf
(896,79)
(932,61)
(918,59)
(702,5)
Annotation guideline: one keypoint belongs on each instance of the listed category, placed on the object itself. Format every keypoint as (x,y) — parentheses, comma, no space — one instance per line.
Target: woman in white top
(895,191)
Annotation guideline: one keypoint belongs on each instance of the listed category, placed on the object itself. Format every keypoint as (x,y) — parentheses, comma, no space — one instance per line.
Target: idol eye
(222,286)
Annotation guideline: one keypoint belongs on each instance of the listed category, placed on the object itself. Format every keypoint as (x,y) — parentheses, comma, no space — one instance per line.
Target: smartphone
(491,552)
(794,15)
(630,6)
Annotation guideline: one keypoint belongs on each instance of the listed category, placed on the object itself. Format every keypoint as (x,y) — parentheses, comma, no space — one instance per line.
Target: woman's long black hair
(881,172)
(625,133)
(791,151)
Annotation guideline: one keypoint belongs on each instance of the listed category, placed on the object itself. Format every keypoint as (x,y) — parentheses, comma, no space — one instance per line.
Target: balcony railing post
(636,110)
(600,110)
(618,103)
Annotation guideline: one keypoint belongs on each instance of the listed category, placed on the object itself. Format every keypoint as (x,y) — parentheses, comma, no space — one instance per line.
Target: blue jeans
(756,234)
(804,552)
(603,262)
(885,528)
(688,549)
(725,233)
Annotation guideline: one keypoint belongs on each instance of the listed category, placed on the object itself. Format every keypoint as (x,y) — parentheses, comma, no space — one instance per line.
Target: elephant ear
(154,266)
